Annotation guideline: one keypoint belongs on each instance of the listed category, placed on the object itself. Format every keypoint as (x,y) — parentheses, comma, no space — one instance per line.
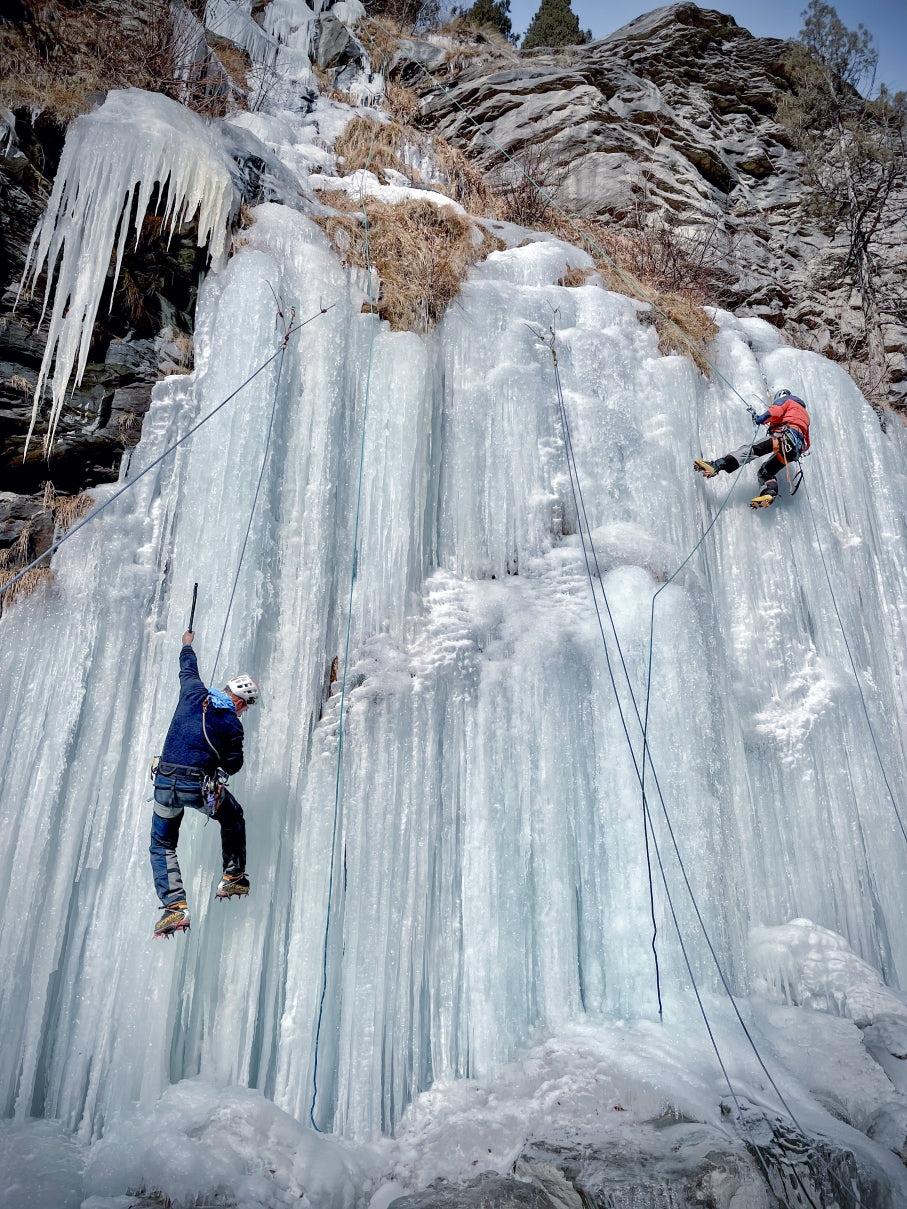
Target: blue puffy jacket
(185,743)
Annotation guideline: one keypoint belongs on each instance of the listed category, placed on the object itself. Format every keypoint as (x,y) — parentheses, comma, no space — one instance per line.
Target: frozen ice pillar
(112,162)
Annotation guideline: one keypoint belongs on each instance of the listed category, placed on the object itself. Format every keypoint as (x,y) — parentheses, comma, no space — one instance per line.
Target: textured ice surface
(490,884)
(114,162)
(812,967)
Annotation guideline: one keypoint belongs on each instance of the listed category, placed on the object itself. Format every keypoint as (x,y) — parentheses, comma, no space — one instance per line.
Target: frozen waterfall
(490,881)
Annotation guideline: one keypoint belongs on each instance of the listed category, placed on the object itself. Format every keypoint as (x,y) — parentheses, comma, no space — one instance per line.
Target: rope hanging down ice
(585,531)
(335,828)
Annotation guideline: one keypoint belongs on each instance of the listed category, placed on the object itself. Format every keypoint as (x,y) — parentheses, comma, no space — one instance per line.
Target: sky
(885,19)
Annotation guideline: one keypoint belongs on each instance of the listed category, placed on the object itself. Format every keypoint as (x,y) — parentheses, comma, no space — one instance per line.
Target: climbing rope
(585,535)
(335,830)
(96,512)
(288,329)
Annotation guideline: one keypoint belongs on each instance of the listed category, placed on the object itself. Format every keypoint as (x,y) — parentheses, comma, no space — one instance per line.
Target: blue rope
(585,529)
(346,655)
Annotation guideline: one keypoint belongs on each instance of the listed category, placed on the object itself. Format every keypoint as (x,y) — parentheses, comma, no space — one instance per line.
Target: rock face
(144,335)
(675,113)
(661,1164)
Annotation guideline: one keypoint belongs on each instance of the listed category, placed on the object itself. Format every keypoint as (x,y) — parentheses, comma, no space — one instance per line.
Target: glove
(763,419)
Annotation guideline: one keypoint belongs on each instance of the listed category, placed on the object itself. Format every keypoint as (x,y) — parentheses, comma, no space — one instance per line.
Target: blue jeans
(177,789)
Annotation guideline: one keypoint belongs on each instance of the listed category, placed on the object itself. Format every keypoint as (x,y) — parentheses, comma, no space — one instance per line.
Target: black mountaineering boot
(233,885)
(174,919)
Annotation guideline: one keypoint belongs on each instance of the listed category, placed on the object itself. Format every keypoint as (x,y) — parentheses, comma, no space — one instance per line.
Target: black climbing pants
(768,471)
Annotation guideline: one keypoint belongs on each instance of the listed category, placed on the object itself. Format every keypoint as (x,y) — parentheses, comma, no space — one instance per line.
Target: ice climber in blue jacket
(203,746)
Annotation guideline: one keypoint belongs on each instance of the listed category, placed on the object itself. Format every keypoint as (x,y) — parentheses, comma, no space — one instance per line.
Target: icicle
(113,158)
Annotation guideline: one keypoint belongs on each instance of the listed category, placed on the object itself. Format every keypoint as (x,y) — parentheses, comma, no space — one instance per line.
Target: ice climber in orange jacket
(788,429)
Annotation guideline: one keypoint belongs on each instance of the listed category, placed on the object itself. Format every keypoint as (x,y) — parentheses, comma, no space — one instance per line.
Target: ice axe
(192,614)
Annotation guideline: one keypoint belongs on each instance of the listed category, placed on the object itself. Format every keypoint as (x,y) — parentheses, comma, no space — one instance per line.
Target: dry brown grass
(575,277)
(61,53)
(626,265)
(13,559)
(401,103)
(463,181)
(684,327)
(66,509)
(378,146)
(31,580)
(368,143)
(381,39)
(420,251)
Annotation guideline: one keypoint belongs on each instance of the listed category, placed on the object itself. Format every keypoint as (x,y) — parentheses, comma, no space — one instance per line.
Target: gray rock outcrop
(675,114)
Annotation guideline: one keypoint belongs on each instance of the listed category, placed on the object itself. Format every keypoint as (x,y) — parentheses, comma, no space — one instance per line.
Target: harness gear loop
(788,445)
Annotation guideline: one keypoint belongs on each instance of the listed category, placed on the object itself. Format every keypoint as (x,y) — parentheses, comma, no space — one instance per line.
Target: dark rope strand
(261,474)
(335,829)
(671,833)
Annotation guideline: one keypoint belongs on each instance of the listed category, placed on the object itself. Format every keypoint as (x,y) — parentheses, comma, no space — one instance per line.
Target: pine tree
(492,12)
(555,24)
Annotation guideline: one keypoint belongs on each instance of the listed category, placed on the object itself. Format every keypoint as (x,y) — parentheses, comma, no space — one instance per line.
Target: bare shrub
(420,251)
(473,41)
(407,15)
(522,182)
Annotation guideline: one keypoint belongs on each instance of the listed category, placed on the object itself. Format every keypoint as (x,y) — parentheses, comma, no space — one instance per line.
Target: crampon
(174,919)
(232,885)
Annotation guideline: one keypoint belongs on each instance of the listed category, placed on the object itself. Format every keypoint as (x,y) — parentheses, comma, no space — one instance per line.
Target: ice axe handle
(194,599)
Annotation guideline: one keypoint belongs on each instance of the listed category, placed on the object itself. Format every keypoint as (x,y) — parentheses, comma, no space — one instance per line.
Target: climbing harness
(212,791)
(789,445)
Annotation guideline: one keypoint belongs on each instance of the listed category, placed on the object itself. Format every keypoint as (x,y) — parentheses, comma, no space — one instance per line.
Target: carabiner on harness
(212,789)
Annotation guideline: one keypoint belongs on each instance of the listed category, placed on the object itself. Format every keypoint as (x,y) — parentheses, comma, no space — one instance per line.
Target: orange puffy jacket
(791,412)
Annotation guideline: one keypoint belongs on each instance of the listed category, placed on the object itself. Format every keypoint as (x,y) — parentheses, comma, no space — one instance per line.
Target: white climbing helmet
(783,393)
(245,688)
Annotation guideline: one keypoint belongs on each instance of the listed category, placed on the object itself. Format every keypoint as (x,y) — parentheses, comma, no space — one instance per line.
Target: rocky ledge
(674,114)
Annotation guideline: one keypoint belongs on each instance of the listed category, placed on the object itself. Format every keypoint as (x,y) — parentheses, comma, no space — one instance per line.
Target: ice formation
(487,970)
(114,161)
